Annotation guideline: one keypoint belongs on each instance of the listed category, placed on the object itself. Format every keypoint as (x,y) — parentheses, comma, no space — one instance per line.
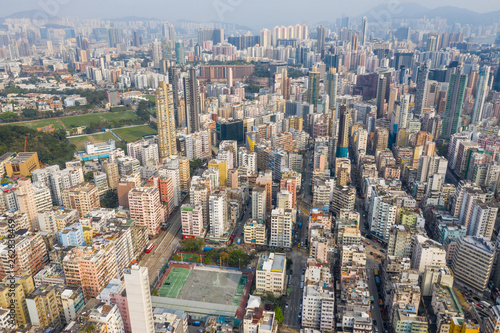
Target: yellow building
(22,165)
(222,167)
(88,235)
(42,307)
(459,325)
(19,300)
(296,123)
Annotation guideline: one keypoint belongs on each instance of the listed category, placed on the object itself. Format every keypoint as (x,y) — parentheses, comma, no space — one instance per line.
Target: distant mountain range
(393,10)
(413,10)
(28,14)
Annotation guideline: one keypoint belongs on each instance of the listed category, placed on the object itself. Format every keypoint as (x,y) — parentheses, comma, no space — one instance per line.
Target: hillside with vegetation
(52,148)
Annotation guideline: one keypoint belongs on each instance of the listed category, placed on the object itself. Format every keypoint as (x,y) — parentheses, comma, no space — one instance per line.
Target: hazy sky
(253,13)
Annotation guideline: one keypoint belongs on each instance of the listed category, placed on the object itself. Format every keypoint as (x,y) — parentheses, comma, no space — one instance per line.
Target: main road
(166,242)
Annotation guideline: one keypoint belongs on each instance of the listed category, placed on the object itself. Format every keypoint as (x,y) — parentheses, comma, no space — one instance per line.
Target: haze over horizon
(255,13)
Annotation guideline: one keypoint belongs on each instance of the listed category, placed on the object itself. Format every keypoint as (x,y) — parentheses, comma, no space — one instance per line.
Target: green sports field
(131,134)
(34,124)
(79,142)
(86,119)
(174,283)
(76,121)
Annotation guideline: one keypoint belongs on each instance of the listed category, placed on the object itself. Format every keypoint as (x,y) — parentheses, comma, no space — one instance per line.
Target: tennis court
(174,283)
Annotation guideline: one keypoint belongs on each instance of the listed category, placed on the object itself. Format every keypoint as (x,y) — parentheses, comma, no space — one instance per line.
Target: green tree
(278,312)
(193,244)
(289,263)
(110,199)
(30,113)
(8,117)
(89,176)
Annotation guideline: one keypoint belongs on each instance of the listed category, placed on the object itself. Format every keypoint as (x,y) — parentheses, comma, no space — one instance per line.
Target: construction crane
(25,143)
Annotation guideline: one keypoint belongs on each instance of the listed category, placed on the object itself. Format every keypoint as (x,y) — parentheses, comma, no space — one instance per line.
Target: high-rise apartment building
(343,132)
(26,200)
(482,92)
(192,100)
(90,268)
(218,212)
(282,224)
(145,208)
(271,274)
(192,221)
(473,262)
(166,120)
(313,87)
(83,197)
(454,104)
(422,77)
(139,303)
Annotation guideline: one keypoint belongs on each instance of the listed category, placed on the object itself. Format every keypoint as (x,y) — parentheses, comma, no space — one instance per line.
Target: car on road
(374,322)
(286,306)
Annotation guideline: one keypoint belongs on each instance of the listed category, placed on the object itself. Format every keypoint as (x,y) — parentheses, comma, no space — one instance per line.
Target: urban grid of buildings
(355,165)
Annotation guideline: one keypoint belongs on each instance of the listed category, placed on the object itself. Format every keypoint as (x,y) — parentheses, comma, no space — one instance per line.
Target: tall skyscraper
(482,91)
(364,31)
(136,40)
(265,38)
(166,120)
(173,79)
(114,37)
(192,100)
(215,35)
(321,39)
(345,22)
(313,87)
(454,104)
(331,90)
(157,53)
(140,307)
(169,32)
(26,200)
(423,74)
(381,88)
(343,139)
(180,57)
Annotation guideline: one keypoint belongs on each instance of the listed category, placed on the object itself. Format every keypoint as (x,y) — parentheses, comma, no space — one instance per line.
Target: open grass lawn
(86,119)
(79,142)
(131,134)
(75,121)
(151,98)
(34,124)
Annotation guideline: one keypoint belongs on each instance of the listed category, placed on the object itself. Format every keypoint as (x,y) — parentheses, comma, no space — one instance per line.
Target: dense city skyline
(291,168)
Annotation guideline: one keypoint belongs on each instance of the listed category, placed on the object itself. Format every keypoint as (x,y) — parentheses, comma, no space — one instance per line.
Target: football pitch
(202,285)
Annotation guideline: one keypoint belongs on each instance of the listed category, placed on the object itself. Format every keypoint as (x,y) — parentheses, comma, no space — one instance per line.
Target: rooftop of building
(22,157)
(479,243)
(273,262)
(6,156)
